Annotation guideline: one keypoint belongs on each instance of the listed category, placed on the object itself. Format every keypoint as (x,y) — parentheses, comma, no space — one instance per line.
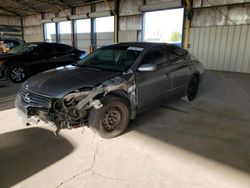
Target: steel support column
(93,31)
(188,15)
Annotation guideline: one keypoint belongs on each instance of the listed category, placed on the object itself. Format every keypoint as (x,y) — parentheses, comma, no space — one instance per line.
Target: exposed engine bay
(72,111)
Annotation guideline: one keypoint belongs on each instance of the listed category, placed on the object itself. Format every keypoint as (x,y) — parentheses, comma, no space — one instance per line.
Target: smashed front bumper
(30,114)
(72,110)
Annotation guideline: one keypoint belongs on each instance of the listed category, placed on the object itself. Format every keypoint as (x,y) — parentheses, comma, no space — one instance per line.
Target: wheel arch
(122,94)
(196,74)
(17,64)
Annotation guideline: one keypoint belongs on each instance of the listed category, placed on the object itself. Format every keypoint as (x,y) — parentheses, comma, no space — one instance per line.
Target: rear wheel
(112,119)
(18,74)
(193,88)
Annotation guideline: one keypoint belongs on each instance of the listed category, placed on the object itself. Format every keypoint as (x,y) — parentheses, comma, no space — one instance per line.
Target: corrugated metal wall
(65,39)
(125,36)
(33,30)
(83,41)
(223,48)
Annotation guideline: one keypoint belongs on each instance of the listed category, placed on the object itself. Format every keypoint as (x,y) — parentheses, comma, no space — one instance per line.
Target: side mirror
(147,68)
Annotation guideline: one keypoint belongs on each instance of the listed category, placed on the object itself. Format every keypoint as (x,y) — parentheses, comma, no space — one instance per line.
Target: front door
(154,86)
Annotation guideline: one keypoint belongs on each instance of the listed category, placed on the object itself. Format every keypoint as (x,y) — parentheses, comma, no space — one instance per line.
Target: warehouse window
(50,32)
(83,32)
(105,24)
(104,31)
(164,26)
(64,31)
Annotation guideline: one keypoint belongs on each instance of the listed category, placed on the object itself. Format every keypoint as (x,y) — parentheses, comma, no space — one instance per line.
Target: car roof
(145,45)
(11,39)
(44,43)
(139,44)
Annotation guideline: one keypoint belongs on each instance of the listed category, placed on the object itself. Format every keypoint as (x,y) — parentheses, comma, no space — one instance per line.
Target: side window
(172,56)
(49,49)
(61,49)
(44,49)
(9,43)
(38,50)
(154,56)
(69,49)
(176,53)
(15,43)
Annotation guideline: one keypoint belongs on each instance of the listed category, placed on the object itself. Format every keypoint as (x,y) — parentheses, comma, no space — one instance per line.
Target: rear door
(36,59)
(65,55)
(49,56)
(179,60)
(154,86)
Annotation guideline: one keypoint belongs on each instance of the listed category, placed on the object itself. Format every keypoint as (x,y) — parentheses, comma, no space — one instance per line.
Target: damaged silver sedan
(109,87)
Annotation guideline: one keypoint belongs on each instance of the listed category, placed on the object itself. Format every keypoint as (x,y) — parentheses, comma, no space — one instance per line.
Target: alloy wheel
(17,74)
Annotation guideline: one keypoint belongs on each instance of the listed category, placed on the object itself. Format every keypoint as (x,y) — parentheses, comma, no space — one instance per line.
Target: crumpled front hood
(59,82)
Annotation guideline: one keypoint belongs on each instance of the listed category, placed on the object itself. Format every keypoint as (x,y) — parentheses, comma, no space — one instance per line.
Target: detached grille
(33,99)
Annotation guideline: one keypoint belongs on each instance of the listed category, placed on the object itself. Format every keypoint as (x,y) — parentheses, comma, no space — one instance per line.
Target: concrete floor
(7,95)
(204,143)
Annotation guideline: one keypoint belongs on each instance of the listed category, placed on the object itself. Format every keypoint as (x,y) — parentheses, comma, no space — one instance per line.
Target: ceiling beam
(12,12)
(10,25)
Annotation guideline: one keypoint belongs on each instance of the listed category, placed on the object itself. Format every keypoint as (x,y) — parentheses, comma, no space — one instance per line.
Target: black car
(111,86)
(28,59)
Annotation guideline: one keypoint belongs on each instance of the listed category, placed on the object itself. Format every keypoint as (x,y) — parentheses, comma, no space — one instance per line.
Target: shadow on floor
(215,125)
(27,151)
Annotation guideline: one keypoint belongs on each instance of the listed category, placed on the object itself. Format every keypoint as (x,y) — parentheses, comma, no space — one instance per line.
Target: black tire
(17,74)
(193,88)
(112,119)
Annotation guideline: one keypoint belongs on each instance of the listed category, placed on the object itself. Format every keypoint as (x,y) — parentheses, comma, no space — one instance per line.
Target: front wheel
(112,119)
(18,74)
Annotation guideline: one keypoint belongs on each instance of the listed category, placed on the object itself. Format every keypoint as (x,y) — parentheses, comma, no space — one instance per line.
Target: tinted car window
(61,48)
(44,49)
(23,48)
(69,48)
(113,58)
(155,56)
(175,52)
(48,49)
(10,43)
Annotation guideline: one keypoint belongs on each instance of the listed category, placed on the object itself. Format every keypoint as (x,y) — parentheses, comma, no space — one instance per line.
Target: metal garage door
(222,48)
(83,34)
(104,38)
(104,31)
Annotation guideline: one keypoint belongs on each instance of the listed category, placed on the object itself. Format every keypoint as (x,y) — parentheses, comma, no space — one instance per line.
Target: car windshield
(22,48)
(112,58)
